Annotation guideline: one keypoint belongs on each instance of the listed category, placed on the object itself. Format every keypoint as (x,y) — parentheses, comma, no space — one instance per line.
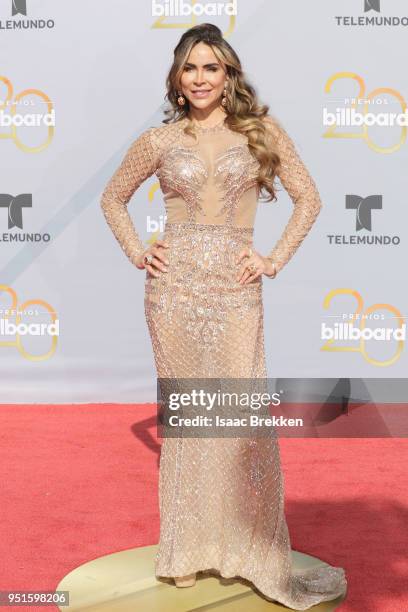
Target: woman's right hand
(159,261)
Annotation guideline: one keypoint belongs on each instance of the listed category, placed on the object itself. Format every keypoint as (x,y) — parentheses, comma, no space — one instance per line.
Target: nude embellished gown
(221,499)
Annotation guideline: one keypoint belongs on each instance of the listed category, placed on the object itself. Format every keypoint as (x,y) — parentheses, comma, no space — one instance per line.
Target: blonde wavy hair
(244,111)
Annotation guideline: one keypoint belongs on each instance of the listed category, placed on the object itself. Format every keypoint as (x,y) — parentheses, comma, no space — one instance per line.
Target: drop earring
(224,100)
(181,100)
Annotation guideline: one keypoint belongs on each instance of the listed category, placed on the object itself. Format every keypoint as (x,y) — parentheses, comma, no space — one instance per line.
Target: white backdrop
(101,66)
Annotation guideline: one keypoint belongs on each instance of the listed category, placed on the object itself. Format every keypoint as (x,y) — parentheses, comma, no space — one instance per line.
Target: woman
(221,499)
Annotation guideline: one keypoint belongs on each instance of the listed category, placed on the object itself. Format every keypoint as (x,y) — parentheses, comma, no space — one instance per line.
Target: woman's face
(203,78)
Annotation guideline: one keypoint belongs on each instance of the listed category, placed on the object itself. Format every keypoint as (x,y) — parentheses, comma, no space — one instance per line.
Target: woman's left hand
(254,265)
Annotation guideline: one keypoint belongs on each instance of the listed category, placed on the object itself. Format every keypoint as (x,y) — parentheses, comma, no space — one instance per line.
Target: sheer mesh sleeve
(139,163)
(303,192)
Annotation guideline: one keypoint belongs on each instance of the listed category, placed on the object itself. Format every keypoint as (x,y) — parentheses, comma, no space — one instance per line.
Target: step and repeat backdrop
(79,81)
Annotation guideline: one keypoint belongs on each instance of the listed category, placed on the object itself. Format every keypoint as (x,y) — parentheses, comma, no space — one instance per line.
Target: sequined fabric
(221,499)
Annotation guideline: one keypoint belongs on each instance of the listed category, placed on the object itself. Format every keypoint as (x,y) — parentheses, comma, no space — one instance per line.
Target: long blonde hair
(244,111)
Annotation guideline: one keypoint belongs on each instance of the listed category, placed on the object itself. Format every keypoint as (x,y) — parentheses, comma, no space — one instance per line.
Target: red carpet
(81,481)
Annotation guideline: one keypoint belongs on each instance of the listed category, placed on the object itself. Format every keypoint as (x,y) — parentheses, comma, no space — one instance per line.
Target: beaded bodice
(209,179)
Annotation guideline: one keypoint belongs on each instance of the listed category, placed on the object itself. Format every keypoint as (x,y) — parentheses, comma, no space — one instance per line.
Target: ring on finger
(147,259)
(252,268)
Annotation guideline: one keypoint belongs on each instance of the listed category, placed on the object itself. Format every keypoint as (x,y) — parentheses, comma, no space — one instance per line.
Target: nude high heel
(185,581)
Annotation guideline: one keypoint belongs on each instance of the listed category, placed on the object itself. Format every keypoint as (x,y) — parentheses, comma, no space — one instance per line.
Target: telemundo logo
(19,7)
(182,8)
(372,19)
